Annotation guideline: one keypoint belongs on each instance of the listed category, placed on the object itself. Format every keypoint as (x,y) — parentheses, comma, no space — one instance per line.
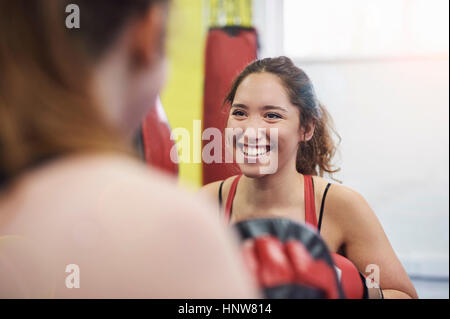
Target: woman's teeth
(254,151)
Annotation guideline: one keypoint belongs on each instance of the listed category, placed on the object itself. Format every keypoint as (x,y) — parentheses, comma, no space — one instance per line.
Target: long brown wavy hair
(46,108)
(314,157)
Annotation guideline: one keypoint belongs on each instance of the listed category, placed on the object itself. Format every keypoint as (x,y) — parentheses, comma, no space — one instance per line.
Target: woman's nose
(254,131)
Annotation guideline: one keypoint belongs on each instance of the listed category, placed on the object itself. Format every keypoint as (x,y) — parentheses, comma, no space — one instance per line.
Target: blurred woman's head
(76,90)
(274,93)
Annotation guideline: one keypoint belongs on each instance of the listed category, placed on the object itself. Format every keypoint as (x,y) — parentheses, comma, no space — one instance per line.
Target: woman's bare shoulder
(345,196)
(337,191)
(107,188)
(212,189)
(346,206)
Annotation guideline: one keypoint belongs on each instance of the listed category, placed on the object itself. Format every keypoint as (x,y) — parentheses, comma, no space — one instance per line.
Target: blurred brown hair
(46,108)
(314,156)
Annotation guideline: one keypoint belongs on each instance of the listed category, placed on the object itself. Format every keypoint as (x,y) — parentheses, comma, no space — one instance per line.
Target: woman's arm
(366,243)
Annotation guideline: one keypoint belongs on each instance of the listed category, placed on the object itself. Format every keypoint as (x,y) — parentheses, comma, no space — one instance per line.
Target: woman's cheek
(285,140)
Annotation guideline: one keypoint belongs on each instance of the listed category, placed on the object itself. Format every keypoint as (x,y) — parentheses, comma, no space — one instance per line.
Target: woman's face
(268,125)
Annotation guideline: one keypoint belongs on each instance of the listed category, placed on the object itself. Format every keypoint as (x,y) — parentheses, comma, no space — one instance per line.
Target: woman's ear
(307,132)
(148,36)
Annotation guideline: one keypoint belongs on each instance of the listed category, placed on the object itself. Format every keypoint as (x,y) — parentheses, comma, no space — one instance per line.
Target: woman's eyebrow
(273,107)
(242,106)
(264,108)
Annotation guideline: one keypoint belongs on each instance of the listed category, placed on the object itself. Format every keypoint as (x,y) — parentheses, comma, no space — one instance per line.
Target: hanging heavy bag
(153,140)
(228,51)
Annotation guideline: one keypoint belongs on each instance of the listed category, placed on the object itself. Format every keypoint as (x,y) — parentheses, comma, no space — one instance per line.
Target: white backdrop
(392,113)
(393,120)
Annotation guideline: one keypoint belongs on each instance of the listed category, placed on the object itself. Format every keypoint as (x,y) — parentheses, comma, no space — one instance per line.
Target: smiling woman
(273,94)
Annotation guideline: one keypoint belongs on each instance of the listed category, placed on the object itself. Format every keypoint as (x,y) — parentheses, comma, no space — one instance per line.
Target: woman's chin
(252,170)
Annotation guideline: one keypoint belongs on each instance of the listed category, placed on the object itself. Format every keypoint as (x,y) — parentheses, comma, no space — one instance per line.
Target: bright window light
(346,29)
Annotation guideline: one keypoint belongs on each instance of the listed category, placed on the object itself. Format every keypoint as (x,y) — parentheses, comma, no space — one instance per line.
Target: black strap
(220,193)
(365,289)
(322,206)
(138,143)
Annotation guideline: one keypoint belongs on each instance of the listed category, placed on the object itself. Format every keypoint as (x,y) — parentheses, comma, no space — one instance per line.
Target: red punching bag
(228,51)
(155,144)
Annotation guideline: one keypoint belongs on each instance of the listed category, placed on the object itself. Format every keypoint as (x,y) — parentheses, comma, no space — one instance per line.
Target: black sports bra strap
(322,206)
(220,193)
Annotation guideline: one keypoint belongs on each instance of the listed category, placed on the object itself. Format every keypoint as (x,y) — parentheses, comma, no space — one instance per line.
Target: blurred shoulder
(112,208)
(140,186)
(108,188)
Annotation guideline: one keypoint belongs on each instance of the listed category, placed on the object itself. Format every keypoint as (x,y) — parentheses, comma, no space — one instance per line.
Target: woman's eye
(273,116)
(238,113)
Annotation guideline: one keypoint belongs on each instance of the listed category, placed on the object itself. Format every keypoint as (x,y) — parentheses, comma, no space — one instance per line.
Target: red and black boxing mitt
(288,259)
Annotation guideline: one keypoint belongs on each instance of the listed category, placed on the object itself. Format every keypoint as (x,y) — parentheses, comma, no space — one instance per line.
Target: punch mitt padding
(288,259)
